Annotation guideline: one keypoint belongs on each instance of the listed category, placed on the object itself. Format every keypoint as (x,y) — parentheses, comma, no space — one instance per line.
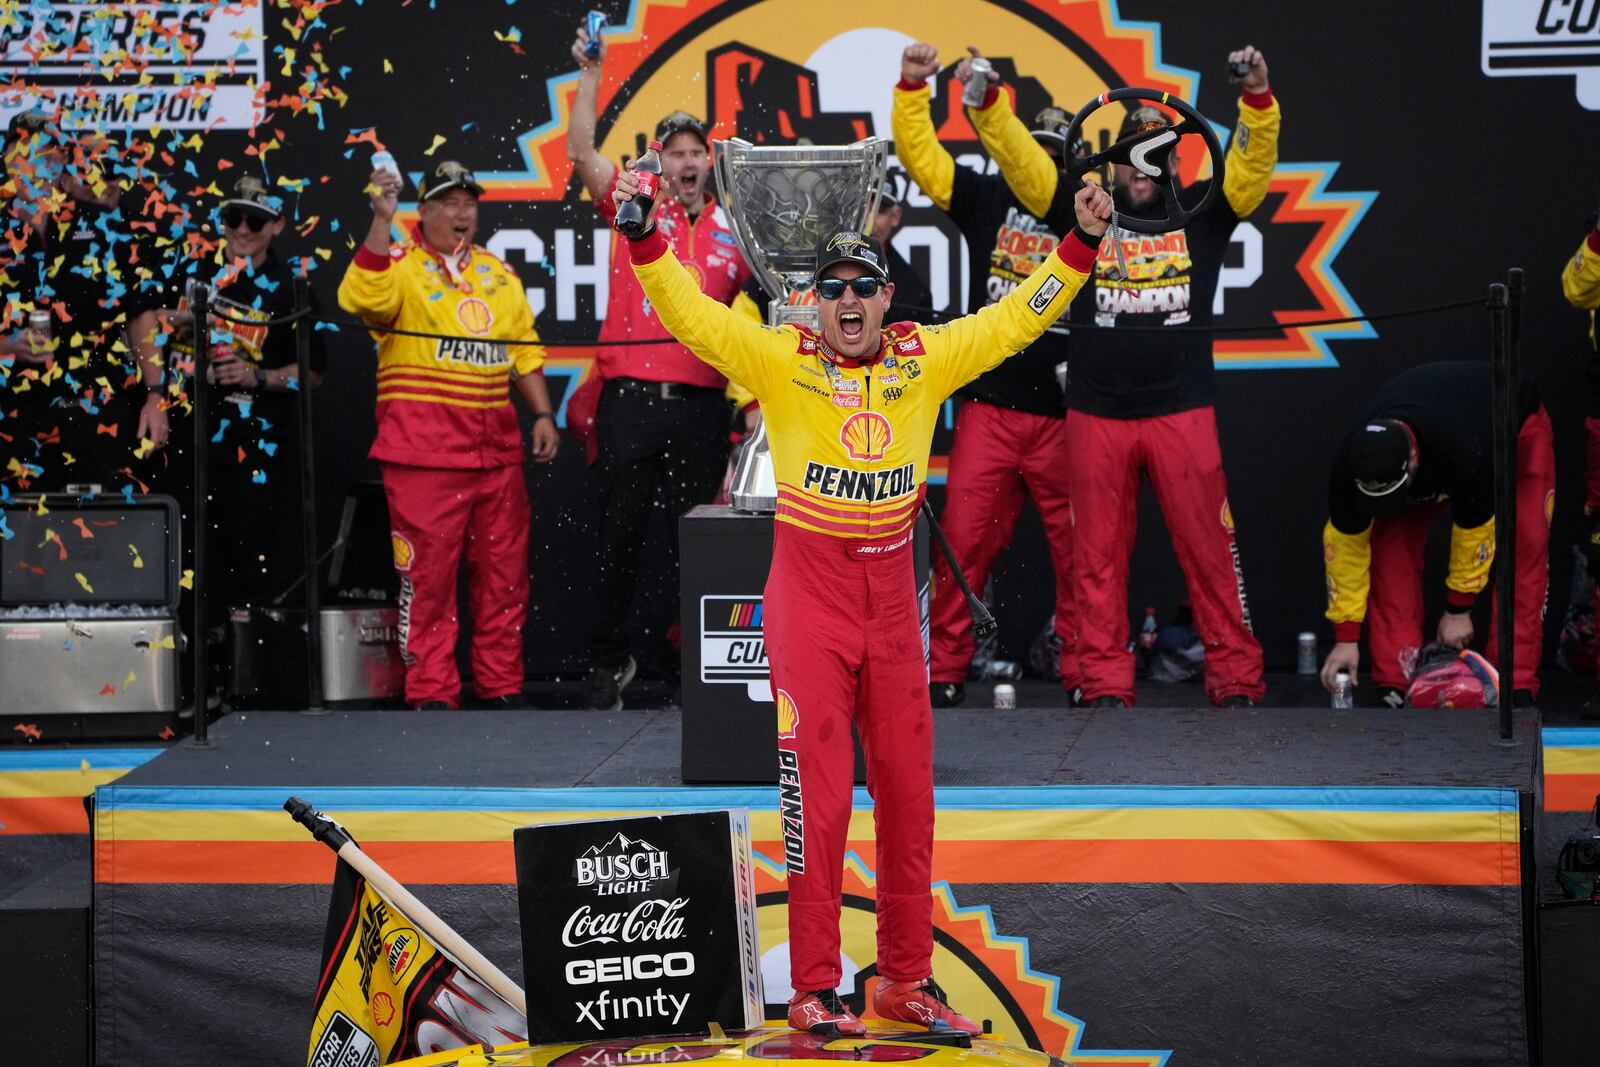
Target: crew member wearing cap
(1010,439)
(1141,404)
(1580,281)
(661,425)
(912,297)
(850,413)
(1425,440)
(66,417)
(253,518)
(448,440)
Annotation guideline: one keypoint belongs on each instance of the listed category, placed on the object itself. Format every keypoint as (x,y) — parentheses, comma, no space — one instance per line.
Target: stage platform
(1256,886)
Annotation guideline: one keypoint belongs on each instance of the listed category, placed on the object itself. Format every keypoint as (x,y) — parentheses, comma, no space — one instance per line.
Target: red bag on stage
(1445,677)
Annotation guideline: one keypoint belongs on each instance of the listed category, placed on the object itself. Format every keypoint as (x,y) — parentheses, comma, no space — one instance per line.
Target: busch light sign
(639,926)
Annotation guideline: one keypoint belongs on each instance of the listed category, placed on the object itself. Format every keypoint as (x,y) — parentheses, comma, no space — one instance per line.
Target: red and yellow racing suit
(451,455)
(850,441)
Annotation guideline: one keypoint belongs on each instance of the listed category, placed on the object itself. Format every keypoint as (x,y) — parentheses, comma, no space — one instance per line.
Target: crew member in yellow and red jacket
(850,414)
(1425,439)
(1141,404)
(1580,281)
(1010,440)
(448,440)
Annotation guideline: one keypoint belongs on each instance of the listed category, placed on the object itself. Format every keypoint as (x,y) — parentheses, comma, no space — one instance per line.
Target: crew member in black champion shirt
(913,300)
(1140,404)
(253,471)
(1428,438)
(1010,440)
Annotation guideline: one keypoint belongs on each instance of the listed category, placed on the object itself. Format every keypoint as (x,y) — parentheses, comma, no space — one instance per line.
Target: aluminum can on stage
(594,23)
(1005,696)
(1306,656)
(1344,691)
(977,82)
(39,323)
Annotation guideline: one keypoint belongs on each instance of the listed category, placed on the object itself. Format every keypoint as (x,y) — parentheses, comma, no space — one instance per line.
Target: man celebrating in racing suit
(1010,439)
(448,441)
(1425,438)
(1141,403)
(1581,282)
(850,415)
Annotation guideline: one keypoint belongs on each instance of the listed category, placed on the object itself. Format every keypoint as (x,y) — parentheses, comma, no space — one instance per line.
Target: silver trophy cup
(783,201)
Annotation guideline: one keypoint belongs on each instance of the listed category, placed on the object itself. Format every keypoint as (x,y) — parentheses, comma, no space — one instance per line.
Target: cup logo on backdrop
(757,73)
(1544,38)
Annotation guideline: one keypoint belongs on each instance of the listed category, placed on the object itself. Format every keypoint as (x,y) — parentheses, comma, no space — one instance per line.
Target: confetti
(138,560)
(187,581)
(87,588)
(438,139)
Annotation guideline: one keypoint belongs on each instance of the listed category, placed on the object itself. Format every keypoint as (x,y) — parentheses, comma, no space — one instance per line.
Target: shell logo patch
(1227,516)
(403,552)
(475,316)
(788,716)
(866,435)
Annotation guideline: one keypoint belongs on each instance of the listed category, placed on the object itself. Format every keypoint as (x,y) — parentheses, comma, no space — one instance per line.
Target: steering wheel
(1150,153)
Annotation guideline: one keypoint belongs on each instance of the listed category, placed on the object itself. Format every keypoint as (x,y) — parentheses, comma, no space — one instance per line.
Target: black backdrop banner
(1407,179)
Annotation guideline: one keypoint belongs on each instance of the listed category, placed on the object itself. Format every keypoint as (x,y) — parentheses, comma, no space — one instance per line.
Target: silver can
(1344,692)
(39,323)
(1305,661)
(594,22)
(1005,696)
(977,82)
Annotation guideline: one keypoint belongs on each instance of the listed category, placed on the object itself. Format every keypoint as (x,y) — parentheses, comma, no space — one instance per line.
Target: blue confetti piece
(217,437)
(269,447)
(259,477)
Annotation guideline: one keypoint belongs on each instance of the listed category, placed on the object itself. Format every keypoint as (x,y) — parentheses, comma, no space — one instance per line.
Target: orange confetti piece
(166,734)
(107,428)
(29,730)
(83,527)
(108,690)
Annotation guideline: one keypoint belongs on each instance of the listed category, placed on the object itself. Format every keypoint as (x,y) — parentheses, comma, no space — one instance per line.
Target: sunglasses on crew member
(234,219)
(833,288)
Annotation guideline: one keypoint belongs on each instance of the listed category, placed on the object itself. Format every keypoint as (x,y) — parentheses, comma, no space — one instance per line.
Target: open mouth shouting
(852,325)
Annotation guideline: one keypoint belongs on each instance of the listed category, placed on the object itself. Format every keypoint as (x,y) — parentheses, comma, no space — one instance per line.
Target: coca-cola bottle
(632,215)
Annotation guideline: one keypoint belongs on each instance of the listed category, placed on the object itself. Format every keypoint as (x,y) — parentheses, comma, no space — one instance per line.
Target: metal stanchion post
(308,505)
(200,305)
(1502,413)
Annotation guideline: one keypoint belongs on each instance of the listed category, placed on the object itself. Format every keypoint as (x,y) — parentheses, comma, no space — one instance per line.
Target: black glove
(1591,548)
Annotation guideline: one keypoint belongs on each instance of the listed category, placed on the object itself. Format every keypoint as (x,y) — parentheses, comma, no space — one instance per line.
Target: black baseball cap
(891,195)
(251,194)
(30,121)
(446,176)
(682,122)
(851,248)
(1142,118)
(1377,455)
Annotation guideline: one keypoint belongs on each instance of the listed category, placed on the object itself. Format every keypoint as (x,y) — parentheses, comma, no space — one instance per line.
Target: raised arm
(728,339)
(370,290)
(1253,151)
(916,142)
(1023,162)
(594,170)
(978,342)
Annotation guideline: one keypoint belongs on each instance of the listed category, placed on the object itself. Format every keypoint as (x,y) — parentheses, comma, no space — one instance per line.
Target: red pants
(1591,494)
(1180,456)
(1000,457)
(845,644)
(1394,600)
(433,513)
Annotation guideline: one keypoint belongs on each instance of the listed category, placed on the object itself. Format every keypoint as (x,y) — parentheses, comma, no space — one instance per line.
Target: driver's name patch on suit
(1047,292)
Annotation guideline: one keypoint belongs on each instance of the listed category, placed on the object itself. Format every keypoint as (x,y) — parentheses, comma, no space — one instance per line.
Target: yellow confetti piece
(325,253)
(129,680)
(438,139)
(138,561)
(165,642)
(146,446)
(187,581)
(42,509)
(83,765)
(87,588)
(388,67)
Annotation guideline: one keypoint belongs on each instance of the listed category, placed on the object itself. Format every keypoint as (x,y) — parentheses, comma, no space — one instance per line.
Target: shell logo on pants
(403,552)
(788,716)
(866,435)
(475,315)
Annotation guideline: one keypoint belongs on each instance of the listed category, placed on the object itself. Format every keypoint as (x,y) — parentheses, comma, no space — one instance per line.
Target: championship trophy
(783,201)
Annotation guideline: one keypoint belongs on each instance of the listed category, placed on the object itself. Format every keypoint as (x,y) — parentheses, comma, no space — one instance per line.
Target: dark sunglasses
(234,219)
(833,288)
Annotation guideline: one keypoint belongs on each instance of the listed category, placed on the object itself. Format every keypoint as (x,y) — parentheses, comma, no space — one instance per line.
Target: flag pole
(453,944)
